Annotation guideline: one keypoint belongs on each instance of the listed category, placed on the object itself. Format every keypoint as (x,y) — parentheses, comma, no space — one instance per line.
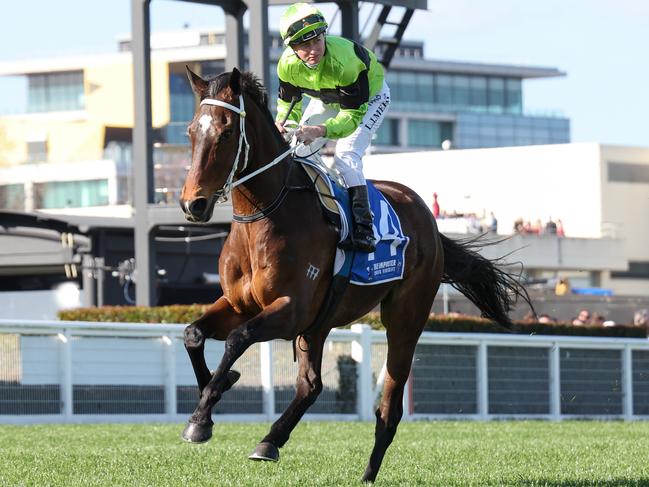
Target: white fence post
(66,374)
(627,383)
(362,354)
(554,373)
(482,378)
(408,406)
(268,391)
(169,351)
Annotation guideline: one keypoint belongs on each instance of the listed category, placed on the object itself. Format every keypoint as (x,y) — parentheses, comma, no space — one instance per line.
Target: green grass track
(527,453)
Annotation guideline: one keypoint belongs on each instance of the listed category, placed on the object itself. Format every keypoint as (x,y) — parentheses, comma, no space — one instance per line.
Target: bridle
(224,193)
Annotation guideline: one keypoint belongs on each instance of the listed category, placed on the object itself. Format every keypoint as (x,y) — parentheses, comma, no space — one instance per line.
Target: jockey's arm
(284,98)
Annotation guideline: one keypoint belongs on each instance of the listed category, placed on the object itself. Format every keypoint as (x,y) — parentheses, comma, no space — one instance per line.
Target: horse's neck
(261,190)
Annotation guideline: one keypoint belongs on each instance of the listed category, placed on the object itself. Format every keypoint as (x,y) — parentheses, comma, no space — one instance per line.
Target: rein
(224,193)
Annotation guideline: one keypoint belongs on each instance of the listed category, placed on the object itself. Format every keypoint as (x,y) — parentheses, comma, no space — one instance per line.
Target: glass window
(388,133)
(12,197)
(181,108)
(513,96)
(443,91)
(411,91)
(428,133)
(478,92)
(496,95)
(37,151)
(55,92)
(71,194)
(461,89)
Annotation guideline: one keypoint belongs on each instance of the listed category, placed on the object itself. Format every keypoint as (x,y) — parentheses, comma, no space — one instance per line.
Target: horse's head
(216,141)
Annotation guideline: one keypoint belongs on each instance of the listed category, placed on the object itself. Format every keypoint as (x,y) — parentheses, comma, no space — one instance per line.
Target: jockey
(349,93)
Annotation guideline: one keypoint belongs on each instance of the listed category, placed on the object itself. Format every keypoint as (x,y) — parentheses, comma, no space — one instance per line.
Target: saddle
(386,263)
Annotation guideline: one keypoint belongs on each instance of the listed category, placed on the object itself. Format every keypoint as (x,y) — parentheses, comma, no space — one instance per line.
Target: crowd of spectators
(551,227)
(586,318)
(476,224)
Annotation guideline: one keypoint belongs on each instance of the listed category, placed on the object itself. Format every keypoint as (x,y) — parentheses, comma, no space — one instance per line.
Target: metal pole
(268,391)
(100,275)
(234,57)
(627,383)
(482,381)
(169,346)
(445,298)
(259,40)
(362,353)
(88,281)
(554,364)
(142,151)
(349,19)
(67,396)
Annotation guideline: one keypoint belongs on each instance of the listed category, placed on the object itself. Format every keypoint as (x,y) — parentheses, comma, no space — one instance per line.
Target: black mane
(251,86)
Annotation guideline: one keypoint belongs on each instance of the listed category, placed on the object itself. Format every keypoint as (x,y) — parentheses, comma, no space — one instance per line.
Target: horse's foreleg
(391,409)
(217,322)
(274,321)
(308,387)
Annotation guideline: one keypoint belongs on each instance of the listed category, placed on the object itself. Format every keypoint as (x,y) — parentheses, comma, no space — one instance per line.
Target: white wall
(37,305)
(558,181)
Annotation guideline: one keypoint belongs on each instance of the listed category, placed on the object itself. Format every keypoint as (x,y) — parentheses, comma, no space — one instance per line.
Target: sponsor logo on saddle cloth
(384,264)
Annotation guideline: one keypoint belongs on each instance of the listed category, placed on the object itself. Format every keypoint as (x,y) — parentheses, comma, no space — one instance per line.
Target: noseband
(224,193)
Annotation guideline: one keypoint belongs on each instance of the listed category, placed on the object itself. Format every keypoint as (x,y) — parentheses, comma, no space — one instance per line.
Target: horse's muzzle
(198,210)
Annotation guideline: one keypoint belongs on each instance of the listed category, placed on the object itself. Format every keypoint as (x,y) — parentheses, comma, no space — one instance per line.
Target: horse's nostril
(197,207)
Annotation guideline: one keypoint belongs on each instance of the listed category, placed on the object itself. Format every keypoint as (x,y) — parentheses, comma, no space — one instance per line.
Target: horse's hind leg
(308,387)
(217,322)
(404,315)
(390,411)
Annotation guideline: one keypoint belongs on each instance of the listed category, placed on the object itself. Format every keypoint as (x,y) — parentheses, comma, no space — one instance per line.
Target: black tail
(490,288)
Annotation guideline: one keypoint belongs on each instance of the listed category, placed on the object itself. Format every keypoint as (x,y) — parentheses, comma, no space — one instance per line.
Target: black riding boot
(363,234)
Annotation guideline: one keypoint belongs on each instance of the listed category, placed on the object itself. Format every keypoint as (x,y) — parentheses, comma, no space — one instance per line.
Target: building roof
(458,67)
(186,45)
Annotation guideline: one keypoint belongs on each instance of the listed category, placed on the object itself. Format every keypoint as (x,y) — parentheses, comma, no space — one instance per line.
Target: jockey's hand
(280,127)
(308,133)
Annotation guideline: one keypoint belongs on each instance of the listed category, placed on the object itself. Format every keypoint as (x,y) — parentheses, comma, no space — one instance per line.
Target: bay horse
(278,236)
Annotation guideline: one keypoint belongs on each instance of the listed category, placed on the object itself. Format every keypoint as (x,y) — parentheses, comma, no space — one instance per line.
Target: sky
(601,45)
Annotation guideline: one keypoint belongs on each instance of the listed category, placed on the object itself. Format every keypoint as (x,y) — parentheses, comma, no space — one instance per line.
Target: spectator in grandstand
(473,224)
(582,318)
(518,225)
(493,223)
(641,317)
(435,206)
(596,320)
(537,228)
(550,227)
(547,319)
(560,232)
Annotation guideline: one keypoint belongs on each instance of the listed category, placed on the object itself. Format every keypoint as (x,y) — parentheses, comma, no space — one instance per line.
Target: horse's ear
(235,81)
(199,85)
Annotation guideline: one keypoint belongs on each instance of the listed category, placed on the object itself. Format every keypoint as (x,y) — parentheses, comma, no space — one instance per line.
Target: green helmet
(301,22)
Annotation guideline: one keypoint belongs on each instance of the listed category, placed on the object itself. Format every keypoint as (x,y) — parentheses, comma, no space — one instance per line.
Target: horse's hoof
(197,433)
(265,452)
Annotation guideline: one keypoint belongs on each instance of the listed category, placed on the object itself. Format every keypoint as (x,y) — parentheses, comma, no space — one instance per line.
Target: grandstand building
(69,154)
(72,145)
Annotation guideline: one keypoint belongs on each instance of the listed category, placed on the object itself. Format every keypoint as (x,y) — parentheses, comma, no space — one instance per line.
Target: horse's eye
(225,134)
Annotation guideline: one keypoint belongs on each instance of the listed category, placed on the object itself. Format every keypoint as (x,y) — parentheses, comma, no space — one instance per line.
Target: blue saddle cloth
(387,262)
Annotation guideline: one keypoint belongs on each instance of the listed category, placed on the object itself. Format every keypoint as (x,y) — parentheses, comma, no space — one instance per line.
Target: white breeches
(348,156)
